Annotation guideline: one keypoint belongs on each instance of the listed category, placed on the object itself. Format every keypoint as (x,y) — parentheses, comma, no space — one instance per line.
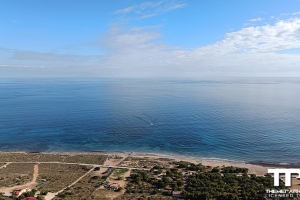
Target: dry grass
(142,196)
(30,157)
(16,174)
(119,173)
(115,156)
(83,190)
(54,177)
(88,188)
(87,159)
(104,194)
(39,157)
(145,162)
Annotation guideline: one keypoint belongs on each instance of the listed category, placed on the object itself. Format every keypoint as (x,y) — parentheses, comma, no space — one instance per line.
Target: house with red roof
(18,192)
(114,186)
(30,198)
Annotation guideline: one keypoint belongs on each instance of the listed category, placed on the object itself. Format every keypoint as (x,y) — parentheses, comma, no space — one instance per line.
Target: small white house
(7,194)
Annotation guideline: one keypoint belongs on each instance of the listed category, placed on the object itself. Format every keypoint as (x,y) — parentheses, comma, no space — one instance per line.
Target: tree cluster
(228,185)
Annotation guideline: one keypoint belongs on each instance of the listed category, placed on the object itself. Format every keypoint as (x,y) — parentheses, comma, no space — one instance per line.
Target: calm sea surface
(254,119)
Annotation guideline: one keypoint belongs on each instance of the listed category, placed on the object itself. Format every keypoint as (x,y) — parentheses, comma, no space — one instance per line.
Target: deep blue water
(253,119)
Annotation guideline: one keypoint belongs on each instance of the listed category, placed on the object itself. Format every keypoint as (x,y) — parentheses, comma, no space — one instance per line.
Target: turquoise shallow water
(250,119)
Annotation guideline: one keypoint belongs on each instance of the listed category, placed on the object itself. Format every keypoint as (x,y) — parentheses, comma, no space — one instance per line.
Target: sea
(253,120)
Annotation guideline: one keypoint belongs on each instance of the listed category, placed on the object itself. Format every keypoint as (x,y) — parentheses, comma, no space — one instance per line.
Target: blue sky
(136,38)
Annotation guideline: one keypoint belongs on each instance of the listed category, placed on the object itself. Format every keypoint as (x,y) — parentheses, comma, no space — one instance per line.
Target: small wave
(284,163)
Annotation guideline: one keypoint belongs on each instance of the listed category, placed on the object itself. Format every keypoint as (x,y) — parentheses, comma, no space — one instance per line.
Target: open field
(145,162)
(119,173)
(86,158)
(16,174)
(103,194)
(83,189)
(54,177)
(39,157)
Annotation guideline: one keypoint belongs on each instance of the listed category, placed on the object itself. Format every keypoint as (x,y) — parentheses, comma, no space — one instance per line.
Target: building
(114,186)
(7,194)
(30,198)
(18,192)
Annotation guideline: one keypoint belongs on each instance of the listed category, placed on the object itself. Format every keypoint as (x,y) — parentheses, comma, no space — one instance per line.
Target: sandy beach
(253,168)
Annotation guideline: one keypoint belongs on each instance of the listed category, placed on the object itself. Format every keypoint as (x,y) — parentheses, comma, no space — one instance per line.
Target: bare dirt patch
(295,184)
(114,160)
(100,172)
(104,194)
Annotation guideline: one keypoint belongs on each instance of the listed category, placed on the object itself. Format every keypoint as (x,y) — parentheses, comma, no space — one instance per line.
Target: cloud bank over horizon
(259,49)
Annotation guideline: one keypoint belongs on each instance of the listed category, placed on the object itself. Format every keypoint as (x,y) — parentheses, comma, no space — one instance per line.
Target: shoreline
(162,155)
(257,169)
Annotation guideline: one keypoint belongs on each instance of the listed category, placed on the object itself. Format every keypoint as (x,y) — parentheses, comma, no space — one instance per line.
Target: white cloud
(256,19)
(137,52)
(291,14)
(283,34)
(295,13)
(151,9)
(125,10)
(137,38)
(251,50)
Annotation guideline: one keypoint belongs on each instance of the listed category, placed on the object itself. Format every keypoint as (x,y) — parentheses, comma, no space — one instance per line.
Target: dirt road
(30,184)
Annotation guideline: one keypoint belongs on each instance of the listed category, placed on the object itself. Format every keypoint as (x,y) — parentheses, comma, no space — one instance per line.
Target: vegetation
(84,189)
(87,159)
(119,172)
(191,181)
(16,174)
(227,183)
(199,182)
(54,177)
(40,197)
(28,194)
(145,162)
(39,157)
